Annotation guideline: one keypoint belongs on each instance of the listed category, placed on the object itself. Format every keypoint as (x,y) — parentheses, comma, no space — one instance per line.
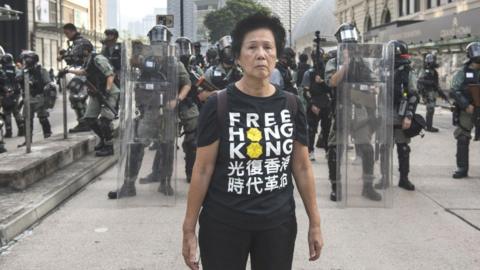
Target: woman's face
(258,54)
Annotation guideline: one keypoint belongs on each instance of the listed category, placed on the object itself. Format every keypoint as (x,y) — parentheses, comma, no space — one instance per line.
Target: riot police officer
(428,87)
(73,56)
(112,50)
(212,57)
(187,109)
(226,71)
(282,74)
(199,59)
(103,97)
(155,101)
(405,101)
(40,87)
(319,97)
(10,93)
(464,83)
(348,33)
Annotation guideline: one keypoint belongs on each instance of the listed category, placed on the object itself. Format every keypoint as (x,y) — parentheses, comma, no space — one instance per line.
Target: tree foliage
(222,21)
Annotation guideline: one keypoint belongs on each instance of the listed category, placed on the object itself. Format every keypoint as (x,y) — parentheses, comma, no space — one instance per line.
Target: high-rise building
(112,18)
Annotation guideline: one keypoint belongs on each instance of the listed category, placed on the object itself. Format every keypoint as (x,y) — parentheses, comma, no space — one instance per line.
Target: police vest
(220,80)
(115,57)
(36,81)
(401,83)
(430,75)
(471,76)
(94,75)
(320,93)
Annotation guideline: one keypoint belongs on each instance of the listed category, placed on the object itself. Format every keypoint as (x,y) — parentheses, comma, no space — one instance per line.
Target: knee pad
(463,140)
(365,149)
(43,119)
(91,121)
(403,149)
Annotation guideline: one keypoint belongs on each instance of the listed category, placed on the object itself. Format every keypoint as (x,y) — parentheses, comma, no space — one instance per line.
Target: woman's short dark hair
(254,22)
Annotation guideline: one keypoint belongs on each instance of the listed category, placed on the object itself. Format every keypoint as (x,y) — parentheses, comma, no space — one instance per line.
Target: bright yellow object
(254,134)
(254,150)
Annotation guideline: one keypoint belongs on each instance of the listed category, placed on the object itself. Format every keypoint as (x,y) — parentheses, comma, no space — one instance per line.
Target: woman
(245,159)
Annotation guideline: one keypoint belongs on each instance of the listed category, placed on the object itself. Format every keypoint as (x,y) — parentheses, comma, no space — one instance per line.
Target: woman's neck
(255,87)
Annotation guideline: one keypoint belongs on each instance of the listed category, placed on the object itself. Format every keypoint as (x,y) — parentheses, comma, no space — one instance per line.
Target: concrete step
(20,170)
(21,210)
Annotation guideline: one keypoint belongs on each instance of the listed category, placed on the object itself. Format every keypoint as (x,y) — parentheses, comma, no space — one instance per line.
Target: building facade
(40,26)
(443,27)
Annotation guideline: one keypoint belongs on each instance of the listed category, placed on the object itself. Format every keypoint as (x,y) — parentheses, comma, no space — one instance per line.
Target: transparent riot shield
(364,119)
(148,126)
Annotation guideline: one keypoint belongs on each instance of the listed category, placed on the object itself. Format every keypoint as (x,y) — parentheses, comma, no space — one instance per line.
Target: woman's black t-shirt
(251,187)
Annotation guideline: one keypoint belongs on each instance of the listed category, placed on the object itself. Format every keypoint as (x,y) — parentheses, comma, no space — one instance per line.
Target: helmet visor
(474,51)
(159,35)
(184,48)
(347,35)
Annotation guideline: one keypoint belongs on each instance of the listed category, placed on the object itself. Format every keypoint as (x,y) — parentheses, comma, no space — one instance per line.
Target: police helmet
(473,51)
(211,54)
(430,60)
(184,46)
(225,50)
(29,58)
(111,32)
(400,49)
(347,33)
(6,59)
(159,34)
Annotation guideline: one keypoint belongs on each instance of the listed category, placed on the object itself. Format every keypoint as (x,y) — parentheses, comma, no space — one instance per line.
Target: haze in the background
(135,10)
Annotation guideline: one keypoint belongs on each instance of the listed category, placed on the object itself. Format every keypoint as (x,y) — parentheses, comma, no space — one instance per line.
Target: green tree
(221,22)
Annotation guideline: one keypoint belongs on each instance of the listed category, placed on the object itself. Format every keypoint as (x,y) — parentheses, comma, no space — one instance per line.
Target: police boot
(165,187)
(153,176)
(384,165)
(82,126)
(368,191)
(99,145)
(429,120)
(107,150)
(477,134)
(127,190)
(105,133)
(8,132)
(335,194)
(463,143)
(403,151)
(2,148)
(46,128)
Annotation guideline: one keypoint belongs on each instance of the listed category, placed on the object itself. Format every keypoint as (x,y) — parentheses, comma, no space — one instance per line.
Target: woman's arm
(303,174)
(201,176)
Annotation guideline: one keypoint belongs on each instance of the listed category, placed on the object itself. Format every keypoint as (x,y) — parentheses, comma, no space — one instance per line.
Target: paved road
(435,227)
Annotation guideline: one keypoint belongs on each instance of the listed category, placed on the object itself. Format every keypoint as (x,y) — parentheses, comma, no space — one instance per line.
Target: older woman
(252,138)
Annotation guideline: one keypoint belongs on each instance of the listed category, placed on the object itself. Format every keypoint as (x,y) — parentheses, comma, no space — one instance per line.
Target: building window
(407,7)
(53,11)
(417,6)
(386,18)
(368,24)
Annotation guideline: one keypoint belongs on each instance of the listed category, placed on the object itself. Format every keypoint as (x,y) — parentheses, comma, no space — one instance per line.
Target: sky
(134,10)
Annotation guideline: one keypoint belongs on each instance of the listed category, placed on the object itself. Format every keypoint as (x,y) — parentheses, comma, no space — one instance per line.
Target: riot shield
(364,122)
(148,126)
